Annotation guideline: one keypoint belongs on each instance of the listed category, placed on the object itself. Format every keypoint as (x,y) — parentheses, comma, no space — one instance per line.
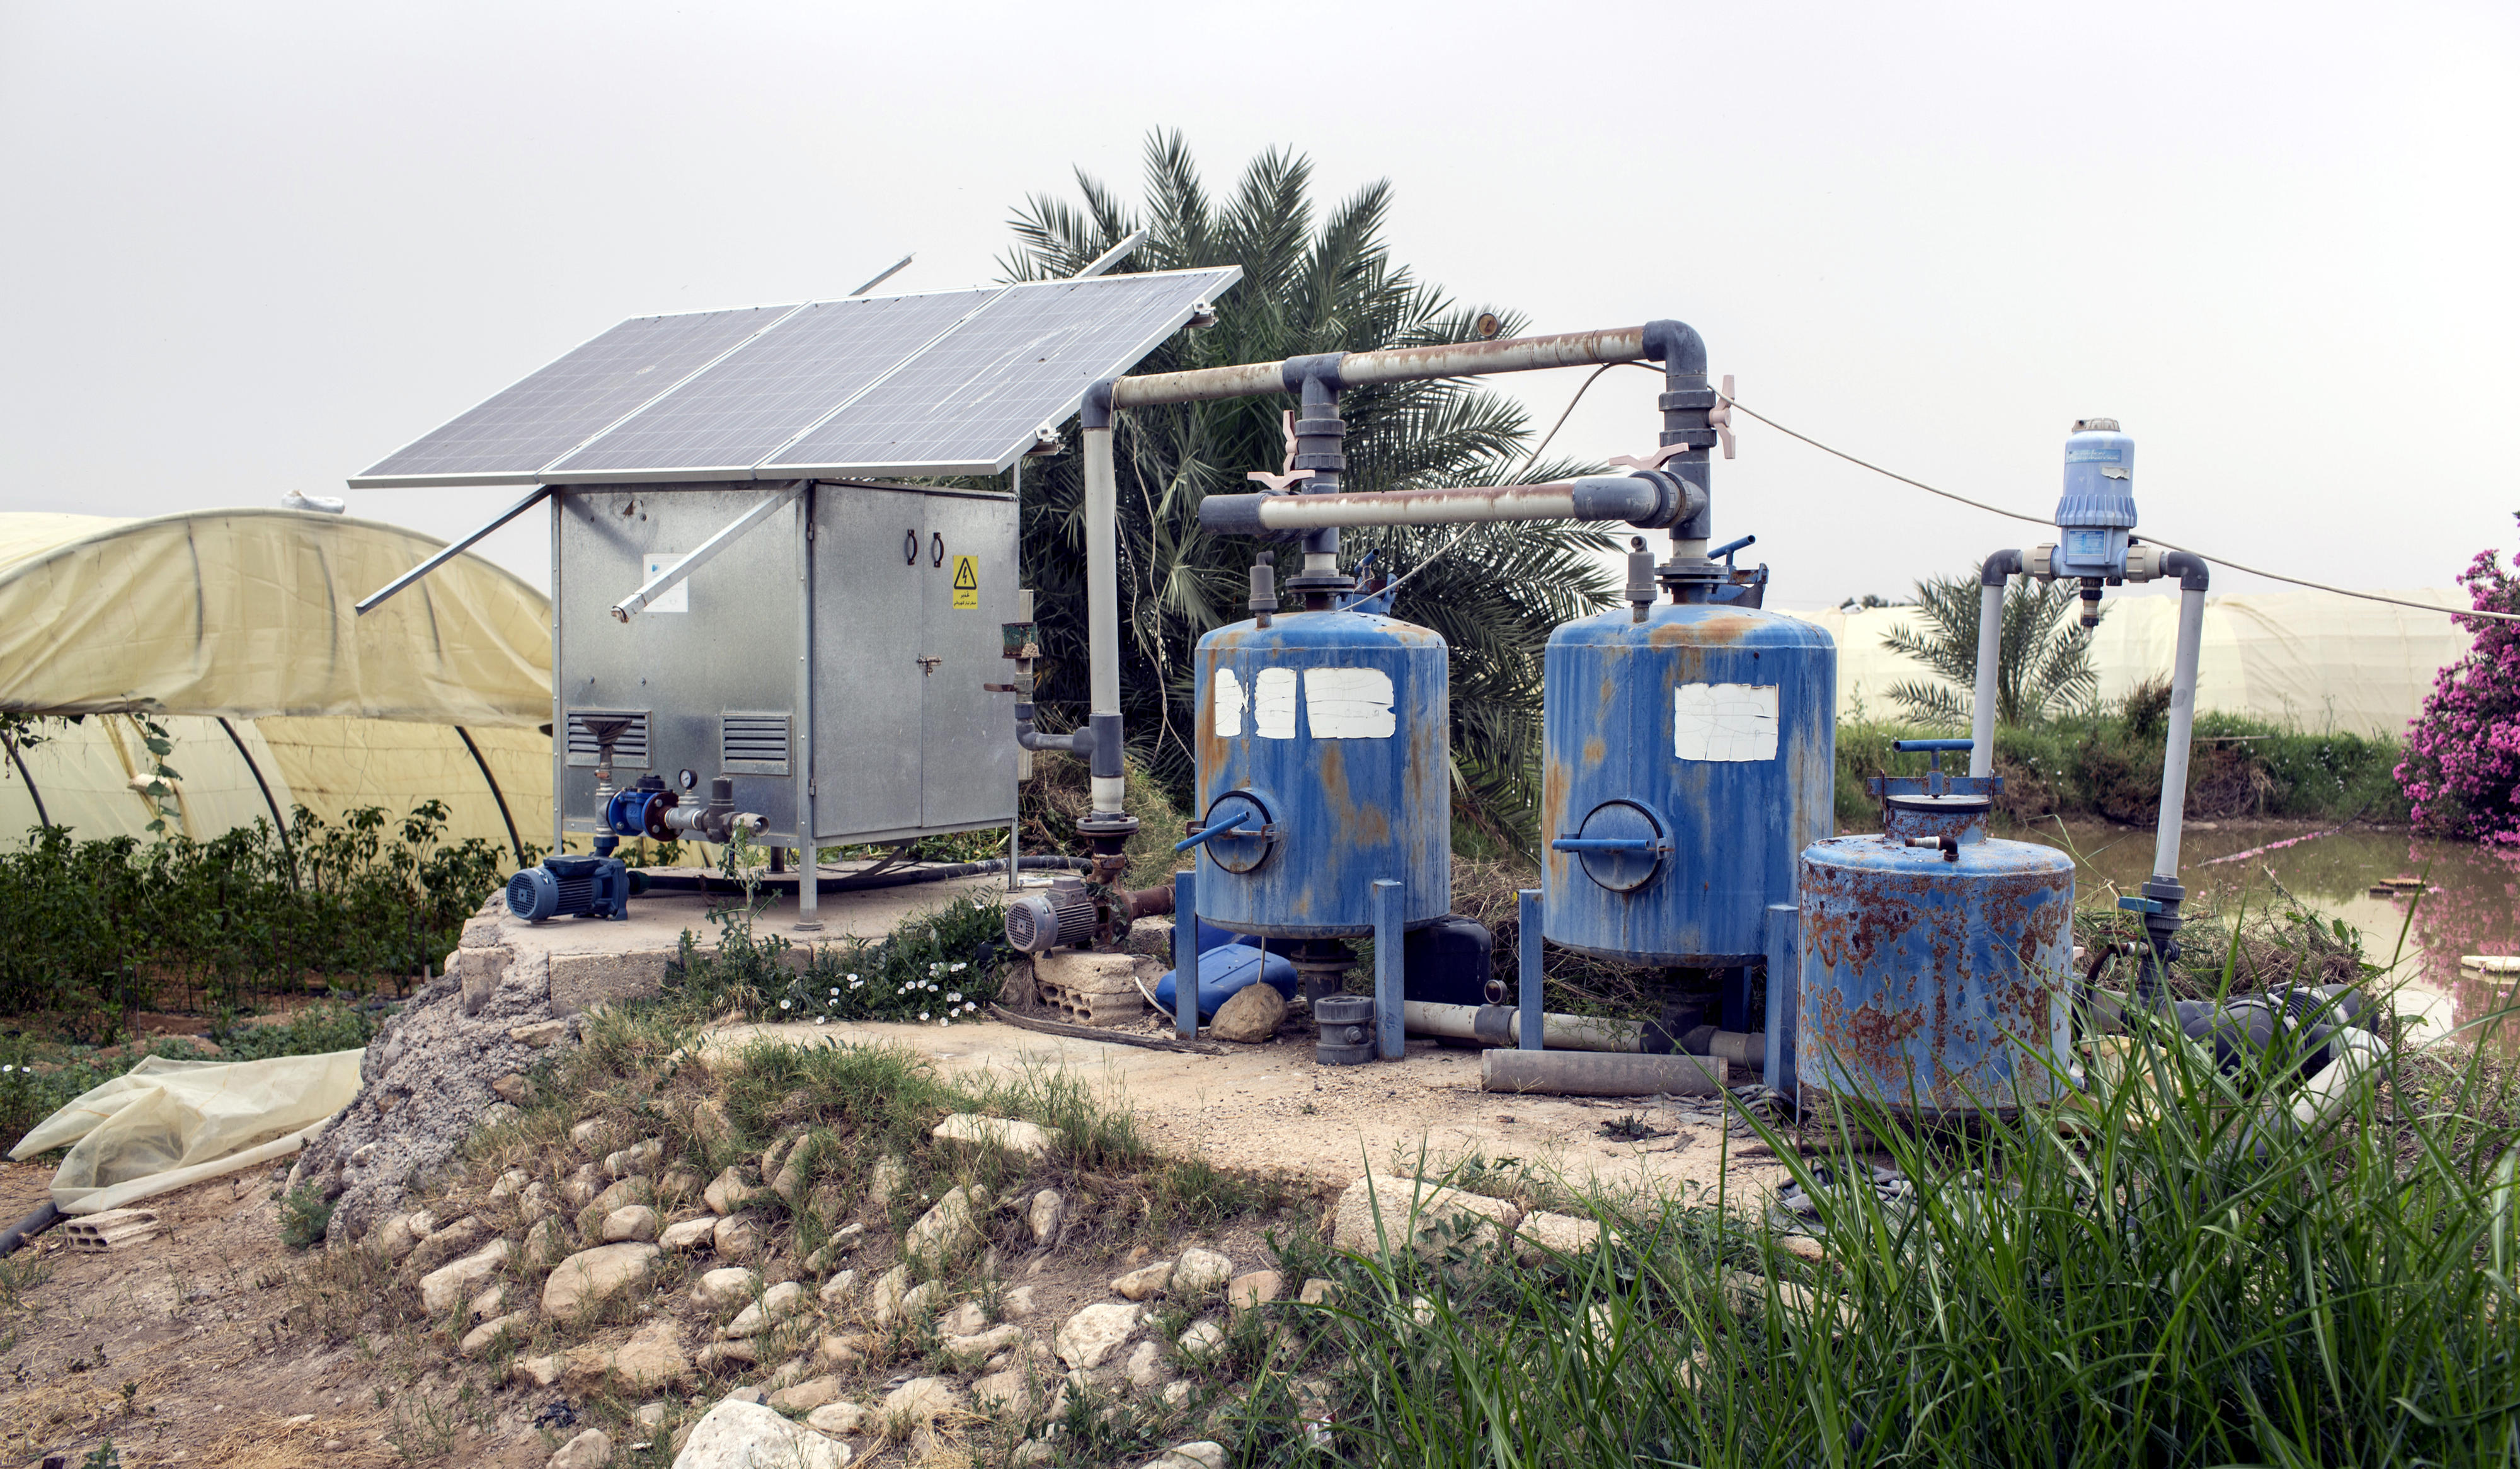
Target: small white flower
(836,989)
(923,1014)
(853,979)
(954,996)
(783,1004)
(822,1019)
(958,969)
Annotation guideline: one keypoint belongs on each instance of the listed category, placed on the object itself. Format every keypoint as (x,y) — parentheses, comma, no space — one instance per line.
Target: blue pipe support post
(1785,996)
(1527,914)
(1389,951)
(1186,955)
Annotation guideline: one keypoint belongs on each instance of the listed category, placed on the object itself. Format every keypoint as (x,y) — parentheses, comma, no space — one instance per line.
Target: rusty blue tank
(1687,759)
(1323,766)
(1935,960)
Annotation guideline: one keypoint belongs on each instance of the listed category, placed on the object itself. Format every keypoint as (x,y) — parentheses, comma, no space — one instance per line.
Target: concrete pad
(597,961)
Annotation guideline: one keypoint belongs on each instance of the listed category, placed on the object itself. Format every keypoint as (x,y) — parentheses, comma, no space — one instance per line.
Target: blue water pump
(573,888)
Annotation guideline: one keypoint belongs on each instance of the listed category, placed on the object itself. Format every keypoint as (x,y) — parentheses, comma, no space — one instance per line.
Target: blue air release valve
(2096,512)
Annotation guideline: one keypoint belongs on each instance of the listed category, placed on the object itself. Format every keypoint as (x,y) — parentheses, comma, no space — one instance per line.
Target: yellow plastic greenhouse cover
(233,630)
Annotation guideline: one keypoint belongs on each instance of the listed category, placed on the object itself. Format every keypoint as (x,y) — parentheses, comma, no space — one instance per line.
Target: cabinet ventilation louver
(629,749)
(753,744)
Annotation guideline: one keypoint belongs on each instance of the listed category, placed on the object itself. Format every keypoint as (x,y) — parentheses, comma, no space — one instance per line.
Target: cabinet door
(968,775)
(870,570)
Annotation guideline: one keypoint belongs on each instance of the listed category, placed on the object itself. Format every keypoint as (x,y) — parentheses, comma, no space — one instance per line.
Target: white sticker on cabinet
(1724,721)
(1229,704)
(675,598)
(1272,704)
(1348,703)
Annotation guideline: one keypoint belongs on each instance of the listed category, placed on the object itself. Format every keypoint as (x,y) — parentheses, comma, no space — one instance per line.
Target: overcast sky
(251,248)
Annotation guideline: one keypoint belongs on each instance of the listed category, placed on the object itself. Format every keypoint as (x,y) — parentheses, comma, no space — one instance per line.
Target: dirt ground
(195,1348)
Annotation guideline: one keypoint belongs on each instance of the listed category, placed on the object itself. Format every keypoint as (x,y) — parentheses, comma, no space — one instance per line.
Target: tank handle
(1210,833)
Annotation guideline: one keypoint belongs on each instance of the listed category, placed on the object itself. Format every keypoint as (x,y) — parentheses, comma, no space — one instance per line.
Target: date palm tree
(1306,288)
(2045,667)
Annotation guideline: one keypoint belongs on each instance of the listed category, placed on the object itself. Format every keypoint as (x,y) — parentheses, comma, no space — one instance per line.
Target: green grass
(2108,766)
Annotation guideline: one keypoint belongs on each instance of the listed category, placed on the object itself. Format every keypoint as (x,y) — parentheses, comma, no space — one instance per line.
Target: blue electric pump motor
(572,888)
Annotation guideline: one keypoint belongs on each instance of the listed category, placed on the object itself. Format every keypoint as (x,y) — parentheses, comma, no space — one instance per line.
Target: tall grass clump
(2169,1270)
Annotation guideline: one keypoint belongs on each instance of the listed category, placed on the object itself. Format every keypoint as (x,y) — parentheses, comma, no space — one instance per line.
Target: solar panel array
(943,382)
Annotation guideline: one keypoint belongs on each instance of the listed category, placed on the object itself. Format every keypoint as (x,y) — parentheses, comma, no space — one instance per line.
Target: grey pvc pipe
(1573,1033)
(2183,725)
(1634,499)
(1601,1073)
(1102,595)
(1990,663)
(1408,364)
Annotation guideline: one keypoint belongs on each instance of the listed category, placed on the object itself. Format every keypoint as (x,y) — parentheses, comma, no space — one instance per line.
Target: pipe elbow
(2000,567)
(1677,345)
(1095,411)
(2194,574)
(1649,500)
(1231,515)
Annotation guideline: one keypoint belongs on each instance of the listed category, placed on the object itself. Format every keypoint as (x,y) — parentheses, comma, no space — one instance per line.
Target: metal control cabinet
(828,660)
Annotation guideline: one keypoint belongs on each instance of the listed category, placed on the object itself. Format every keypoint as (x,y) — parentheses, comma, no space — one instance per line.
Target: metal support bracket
(1388,956)
(667,580)
(453,549)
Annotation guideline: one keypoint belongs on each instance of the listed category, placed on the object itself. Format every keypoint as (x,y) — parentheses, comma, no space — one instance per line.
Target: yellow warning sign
(967,582)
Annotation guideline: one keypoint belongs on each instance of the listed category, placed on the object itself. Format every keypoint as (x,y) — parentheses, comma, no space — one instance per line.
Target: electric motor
(1039,922)
(572,888)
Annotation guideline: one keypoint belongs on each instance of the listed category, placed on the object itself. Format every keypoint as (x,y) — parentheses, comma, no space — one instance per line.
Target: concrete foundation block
(579,982)
(1077,973)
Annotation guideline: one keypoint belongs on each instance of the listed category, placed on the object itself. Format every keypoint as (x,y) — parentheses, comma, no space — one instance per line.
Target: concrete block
(579,982)
(1086,973)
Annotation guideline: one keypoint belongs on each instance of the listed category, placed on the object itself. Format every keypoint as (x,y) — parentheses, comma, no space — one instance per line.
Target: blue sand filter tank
(1323,767)
(1689,757)
(1935,960)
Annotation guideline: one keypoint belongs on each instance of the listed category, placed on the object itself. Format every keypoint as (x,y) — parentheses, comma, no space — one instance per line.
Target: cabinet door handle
(909,548)
(936,548)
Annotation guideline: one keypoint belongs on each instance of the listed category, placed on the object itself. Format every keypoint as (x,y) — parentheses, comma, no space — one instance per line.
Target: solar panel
(574,398)
(725,420)
(933,383)
(969,403)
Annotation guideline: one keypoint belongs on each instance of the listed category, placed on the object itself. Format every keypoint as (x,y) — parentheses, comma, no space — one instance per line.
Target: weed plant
(91,930)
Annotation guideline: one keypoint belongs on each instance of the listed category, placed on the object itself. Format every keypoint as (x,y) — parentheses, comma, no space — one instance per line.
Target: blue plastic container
(1692,758)
(1322,745)
(1934,981)
(1227,970)
(2098,507)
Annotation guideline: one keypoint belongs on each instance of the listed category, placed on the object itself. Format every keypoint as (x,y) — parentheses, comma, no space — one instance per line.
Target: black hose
(685,882)
(28,1227)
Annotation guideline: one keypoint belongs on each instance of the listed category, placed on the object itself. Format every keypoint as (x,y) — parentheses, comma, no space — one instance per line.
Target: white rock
(1203,1454)
(776,1304)
(1088,1337)
(836,1289)
(1017,1304)
(1049,1213)
(651,1359)
(491,1303)
(721,1288)
(485,1336)
(637,1223)
(1144,1284)
(884,1298)
(920,1299)
(591,1450)
(1026,1138)
(945,1231)
(920,1400)
(1203,1340)
(751,1436)
(1199,1271)
(727,1192)
(689,1234)
(805,1395)
(636,1158)
(1147,1365)
(441,1290)
(963,1321)
(891,1176)
(589,1135)
(984,1344)
(837,1418)
(736,1238)
(588,1278)
(1418,1214)
(1251,1016)
(1542,1233)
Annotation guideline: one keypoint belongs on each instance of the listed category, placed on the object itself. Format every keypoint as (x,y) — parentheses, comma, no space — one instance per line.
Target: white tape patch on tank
(1348,703)
(1272,704)
(1724,721)
(1229,704)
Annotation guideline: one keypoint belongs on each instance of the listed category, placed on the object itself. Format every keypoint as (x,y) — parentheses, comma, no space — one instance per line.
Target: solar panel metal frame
(771,466)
